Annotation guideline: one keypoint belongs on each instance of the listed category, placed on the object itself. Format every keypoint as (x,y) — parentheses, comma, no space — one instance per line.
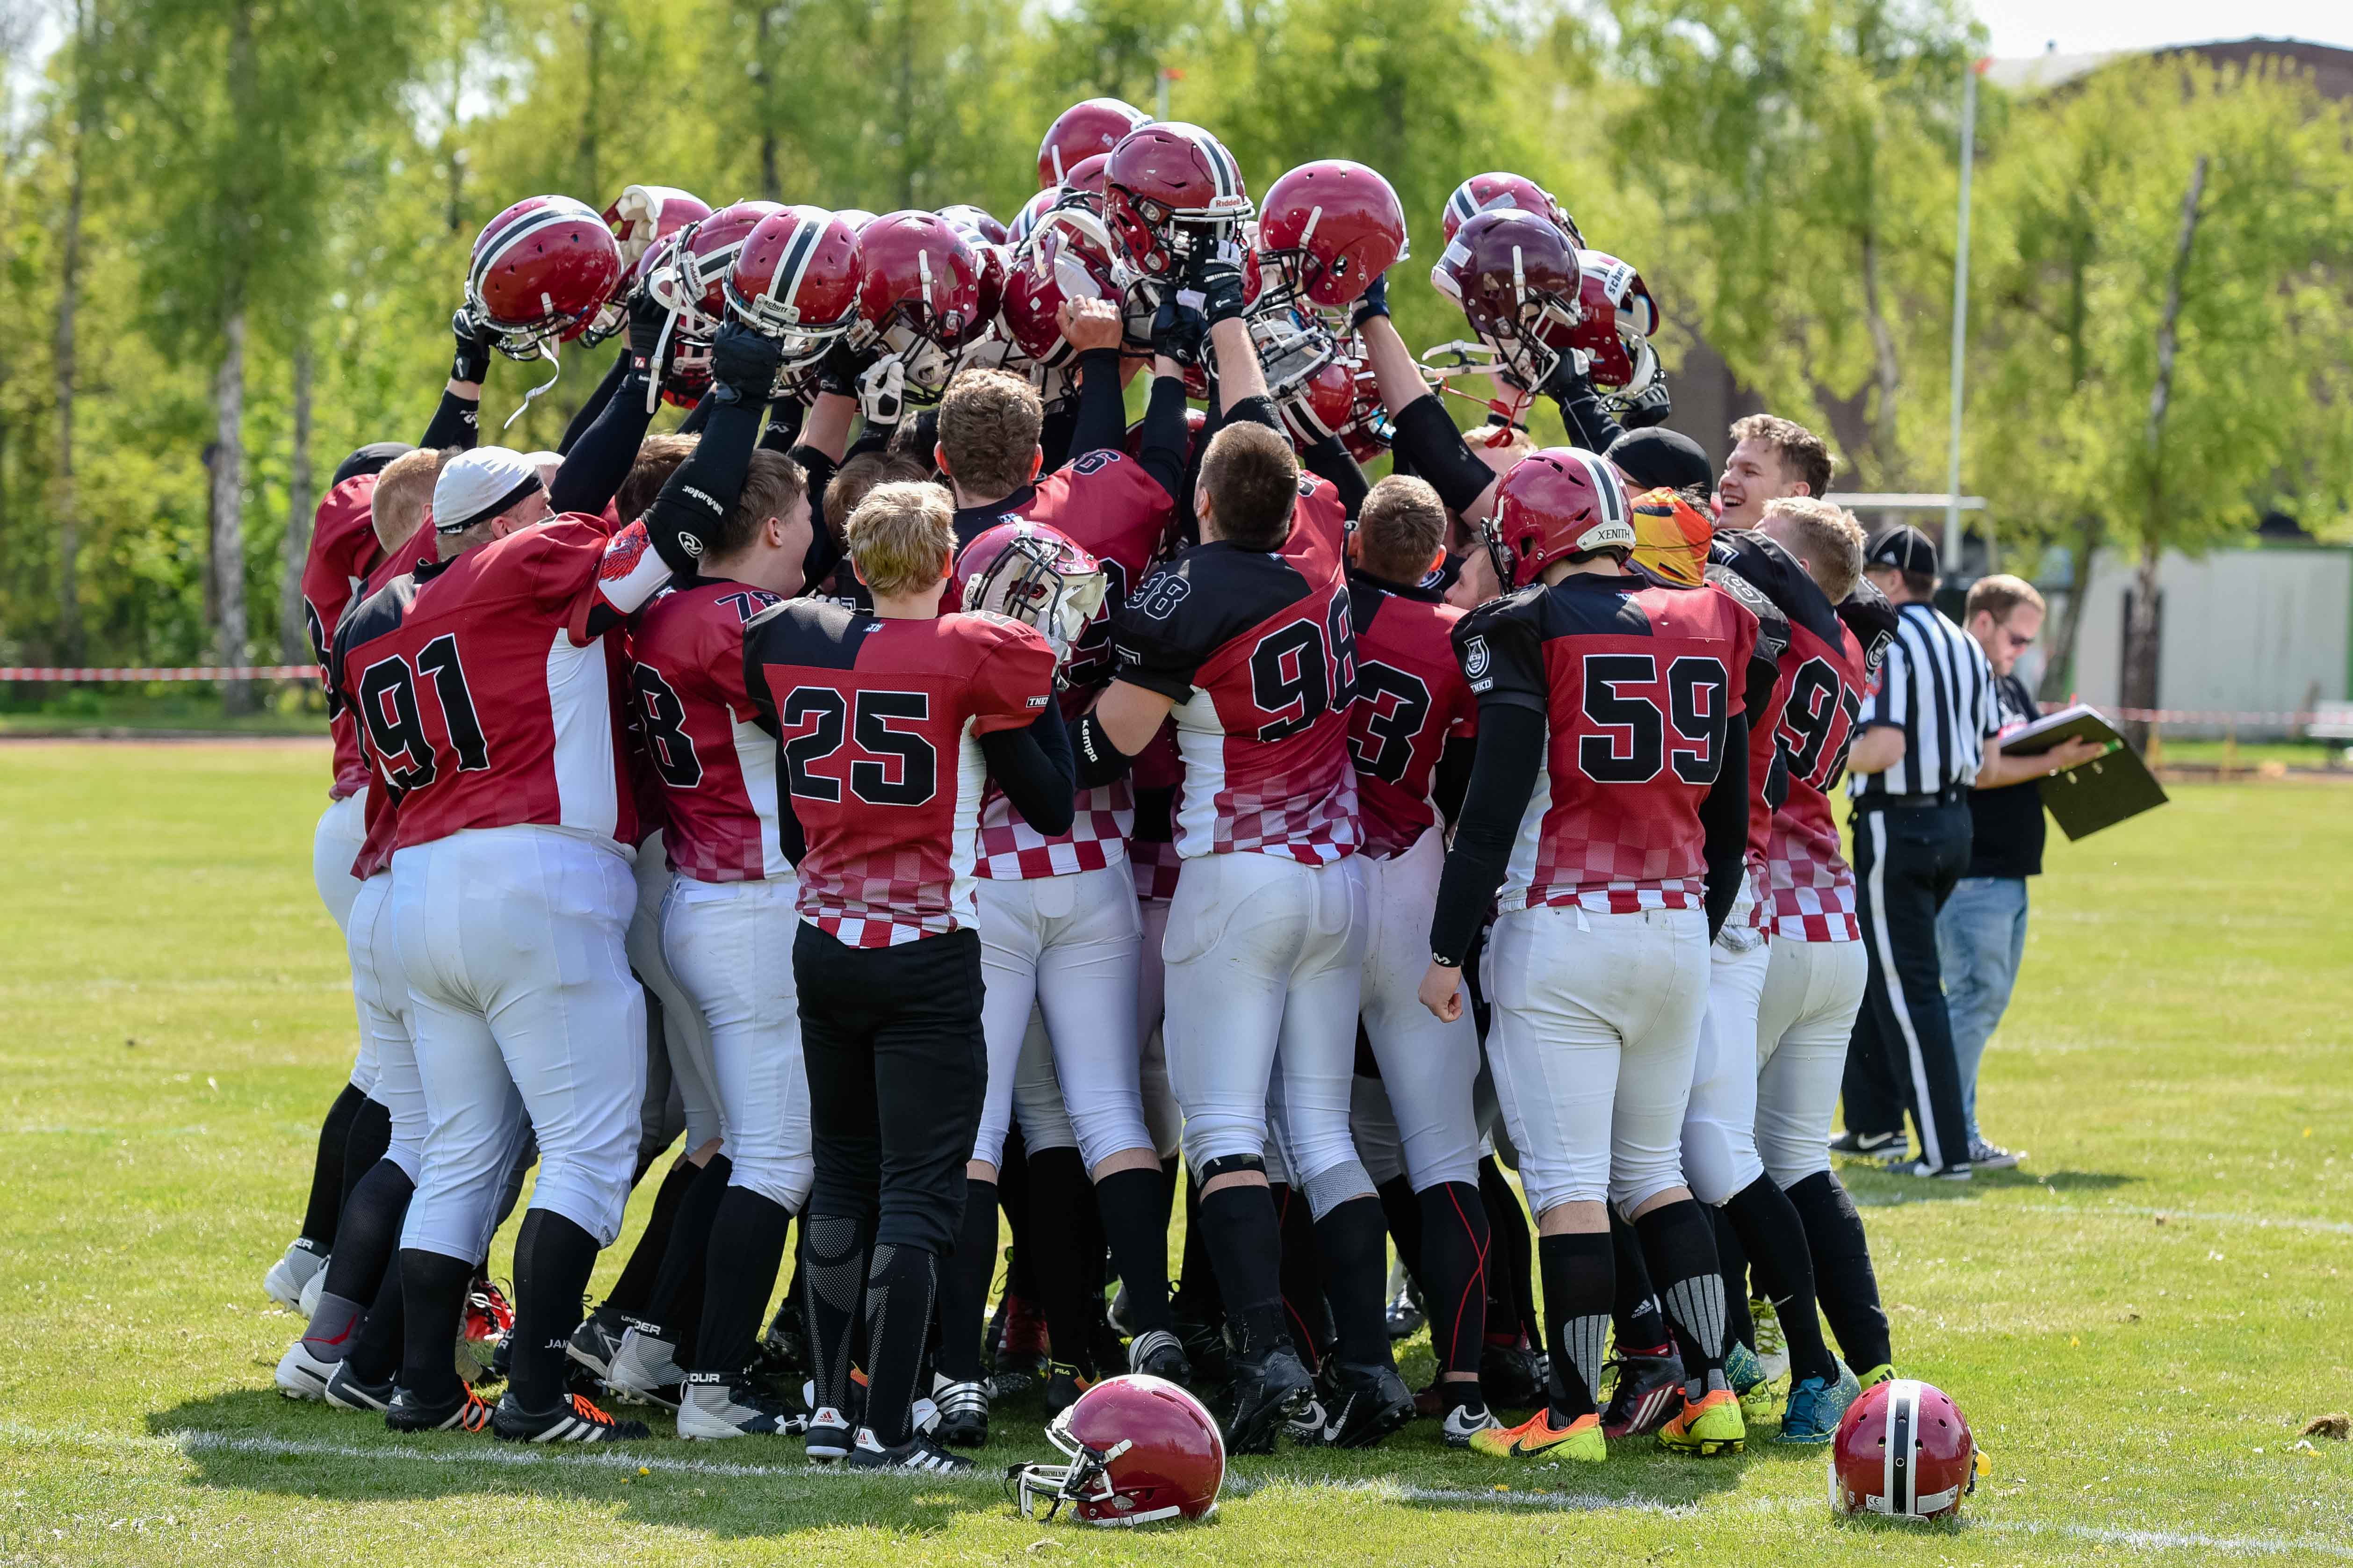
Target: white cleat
(284,1282)
(302,1375)
(645,1369)
(711,1408)
(312,1288)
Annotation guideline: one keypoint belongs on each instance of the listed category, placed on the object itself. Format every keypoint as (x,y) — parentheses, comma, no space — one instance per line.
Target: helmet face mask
(919,298)
(1517,280)
(1171,192)
(1034,574)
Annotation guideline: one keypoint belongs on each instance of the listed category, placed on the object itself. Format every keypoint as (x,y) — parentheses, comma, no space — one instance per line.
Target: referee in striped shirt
(1926,738)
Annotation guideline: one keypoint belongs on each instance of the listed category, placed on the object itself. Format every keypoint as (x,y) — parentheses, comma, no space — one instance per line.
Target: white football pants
(334,844)
(1720,1122)
(1426,1067)
(1805,1016)
(380,986)
(685,1034)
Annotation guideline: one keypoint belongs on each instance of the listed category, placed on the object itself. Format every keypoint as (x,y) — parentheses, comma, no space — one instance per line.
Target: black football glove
(1178,327)
(1652,406)
(1216,276)
(839,371)
(648,316)
(473,360)
(1567,377)
(743,365)
(1373,302)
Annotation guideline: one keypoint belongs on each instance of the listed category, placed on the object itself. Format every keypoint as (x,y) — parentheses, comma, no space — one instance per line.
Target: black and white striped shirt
(1935,685)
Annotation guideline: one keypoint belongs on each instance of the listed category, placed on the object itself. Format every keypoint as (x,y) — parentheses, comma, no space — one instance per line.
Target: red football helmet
(687,275)
(1033,574)
(1558,503)
(1903,1450)
(1081,130)
(1517,280)
(1048,271)
(919,296)
(1168,190)
(1141,1450)
(976,220)
(1322,405)
(1620,318)
(858,218)
(796,280)
(1484,192)
(1326,229)
(543,273)
(644,214)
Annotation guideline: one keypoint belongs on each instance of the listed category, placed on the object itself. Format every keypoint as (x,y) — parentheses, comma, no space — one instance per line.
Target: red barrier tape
(183,673)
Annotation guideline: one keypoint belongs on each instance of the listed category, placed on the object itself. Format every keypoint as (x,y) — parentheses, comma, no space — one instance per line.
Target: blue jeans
(1980,937)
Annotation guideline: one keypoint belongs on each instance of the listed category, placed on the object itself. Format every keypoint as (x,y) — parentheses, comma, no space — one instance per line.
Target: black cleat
(1513,1375)
(1649,1395)
(964,1414)
(917,1452)
(1365,1405)
(597,1341)
(349,1391)
(1204,1347)
(1064,1383)
(829,1434)
(1268,1388)
(1869,1145)
(1156,1352)
(467,1413)
(574,1420)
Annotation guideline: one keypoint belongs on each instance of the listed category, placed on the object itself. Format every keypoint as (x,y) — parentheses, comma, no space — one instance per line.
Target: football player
(888,724)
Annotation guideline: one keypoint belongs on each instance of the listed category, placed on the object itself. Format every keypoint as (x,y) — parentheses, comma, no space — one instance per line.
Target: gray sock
(333,1327)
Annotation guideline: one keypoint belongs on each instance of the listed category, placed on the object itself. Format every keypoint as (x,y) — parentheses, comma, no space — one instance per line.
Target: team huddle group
(934,797)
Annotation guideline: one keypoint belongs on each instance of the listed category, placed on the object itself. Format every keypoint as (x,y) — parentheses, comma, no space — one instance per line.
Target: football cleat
(1465,1422)
(467,1413)
(782,1351)
(1305,1426)
(1869,1145)
(1713,1426)
(346,1390)
(1268,1388)
(312,1288)
(1020,1358)
(1064,1383)
(645,1369)
(713,1407)
(1904,1165)
(1749,1382)
(1365,1405)
(1204,1347)
(1404,1316)
(1160,1353)
(1514,1374)
(1650,1390)
(598,1339)
(576,1420)
(302,1375)
(1884,1372)
(828,1436)
(1538,1439)
(918,1453)
(964,1413)
(1815,1406)
(284,1282)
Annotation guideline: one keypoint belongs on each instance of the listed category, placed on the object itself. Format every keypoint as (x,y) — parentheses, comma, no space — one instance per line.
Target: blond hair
(988,426)
(1829,538)
(1999,595)
(403,494)
(1800,452)
(1402,523)
(900,537)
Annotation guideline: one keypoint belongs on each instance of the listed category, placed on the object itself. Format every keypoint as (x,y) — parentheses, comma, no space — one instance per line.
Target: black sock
(789,1311)
(374,1352)
(747,1247)
(1401,1211)
(327,1170)
(1244,1244)
(1057,1191)
(964,1277)
(1578,1285)
(1512,1264)
(1775,1239)
(1353,1243)
(1013,1203)
(364,1145)
(433,1302)
(898,1321)
(1732,1262)
(1197,1299)
(552,1260)
(369,1233)
(1678,1240)
(833,1258)
(636,1282)
(1169,1177)
(1454,1247)
(1305,1312)
(676,1304)
(1843,1279)
(1134,1209)
(1634,1305)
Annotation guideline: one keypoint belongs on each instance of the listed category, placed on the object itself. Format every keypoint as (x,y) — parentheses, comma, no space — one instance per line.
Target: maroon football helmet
(1322,406)
(543,273)
(1033,574)
(1326,229)
(1167,190)
(644,214)
(1081,131)
(1620,318)
(1141,1450)
(1044,274)
(966,216)
(796,280)
(1517,280)
(1486,193)
(686,274)
(919,296)
(1558,503)
(1902,1451)
(858,218)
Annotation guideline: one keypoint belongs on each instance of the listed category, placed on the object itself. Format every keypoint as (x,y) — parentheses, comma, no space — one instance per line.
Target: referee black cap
(1657,456)
(1905,550)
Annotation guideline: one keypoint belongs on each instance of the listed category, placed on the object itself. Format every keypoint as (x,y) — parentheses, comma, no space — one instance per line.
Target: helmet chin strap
(653,381)
(546,352)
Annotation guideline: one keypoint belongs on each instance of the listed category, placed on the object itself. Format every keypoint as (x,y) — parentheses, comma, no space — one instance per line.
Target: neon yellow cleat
(1538,1437)
(1878,1374)
(1713,1426)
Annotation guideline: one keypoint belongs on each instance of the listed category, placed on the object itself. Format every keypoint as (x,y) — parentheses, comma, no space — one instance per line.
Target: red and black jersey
(879,725)
(485,695)
(1109,507)
(1637,682)
(1411,699)
(1812,885)
(1736,563)
(1157,776)
(715,766)
(382,816)
(1257,652)
(343,551)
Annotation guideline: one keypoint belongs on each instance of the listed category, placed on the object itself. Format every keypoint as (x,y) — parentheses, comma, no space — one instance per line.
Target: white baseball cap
(479,485)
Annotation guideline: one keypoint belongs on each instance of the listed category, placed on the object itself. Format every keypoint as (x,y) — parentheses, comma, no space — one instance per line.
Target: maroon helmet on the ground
(644,214)
(1326,229)
(919,295)
(1141,1450)
(1904,1451)
(795,279)
(1167,187)
(543,273)
(1553,504)
(1517,279)
(1489,192)
(1081,130)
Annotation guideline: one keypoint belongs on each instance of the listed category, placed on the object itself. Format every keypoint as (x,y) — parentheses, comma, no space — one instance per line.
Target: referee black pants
(1907,860)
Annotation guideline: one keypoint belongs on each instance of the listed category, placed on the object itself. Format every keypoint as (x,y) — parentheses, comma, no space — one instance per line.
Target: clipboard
(2093,795)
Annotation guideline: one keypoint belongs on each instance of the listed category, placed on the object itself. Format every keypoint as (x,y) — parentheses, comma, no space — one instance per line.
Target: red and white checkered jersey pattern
(1812,885)
(1637,682)
(879,723)
(1012,851)
(1154,863)
(344,553)
(715,766)
(1411,699)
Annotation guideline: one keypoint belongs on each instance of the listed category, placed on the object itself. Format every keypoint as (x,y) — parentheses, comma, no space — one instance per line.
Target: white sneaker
(1984,1156)
(312,1288)
(645,1369)
(1463,1421)
(284,1282)
(302,1375)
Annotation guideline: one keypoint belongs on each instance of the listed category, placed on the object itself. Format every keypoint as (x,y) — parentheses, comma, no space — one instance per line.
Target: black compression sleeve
(1582,411)
(696,419)
(1327,459)
(1724,815)
(1428,439)
(702,492)
(1162,448)
(1054,433)
(456,422)
(785,417)
(1103,406)
(1451,780)
(595,407)
(1257,411)
(593,469)
(1098,760)
(1503,777)
(1032,767)
(790,838)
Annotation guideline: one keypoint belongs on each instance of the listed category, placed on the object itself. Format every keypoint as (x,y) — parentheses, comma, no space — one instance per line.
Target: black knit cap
(1658,456)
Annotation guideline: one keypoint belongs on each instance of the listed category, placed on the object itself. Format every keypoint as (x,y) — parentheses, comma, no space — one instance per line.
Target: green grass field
(2137,1323)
